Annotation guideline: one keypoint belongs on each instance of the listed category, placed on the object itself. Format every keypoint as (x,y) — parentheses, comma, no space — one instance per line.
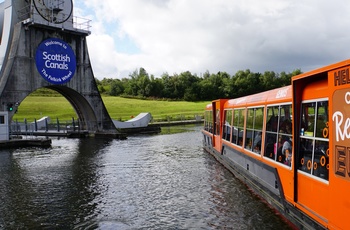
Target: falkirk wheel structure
(44,46)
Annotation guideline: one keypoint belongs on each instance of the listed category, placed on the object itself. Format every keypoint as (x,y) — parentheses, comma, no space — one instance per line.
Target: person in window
(287,150)
(271,125)
(257,142)
(286,126)
(249,145)
(283,148)
(277,147)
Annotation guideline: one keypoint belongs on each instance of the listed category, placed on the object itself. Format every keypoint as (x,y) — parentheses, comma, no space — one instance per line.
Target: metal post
(46,125)
(58,124)
(25,125)
(35,125)
(78,125)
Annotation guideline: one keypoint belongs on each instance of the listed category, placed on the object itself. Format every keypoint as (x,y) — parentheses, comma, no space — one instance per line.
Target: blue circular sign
(55,61)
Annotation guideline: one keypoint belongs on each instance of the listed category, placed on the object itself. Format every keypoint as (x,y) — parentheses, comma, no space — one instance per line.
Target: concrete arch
(85,113)
(20,74)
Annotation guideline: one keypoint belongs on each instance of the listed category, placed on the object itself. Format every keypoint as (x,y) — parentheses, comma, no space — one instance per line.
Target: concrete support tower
(44,45)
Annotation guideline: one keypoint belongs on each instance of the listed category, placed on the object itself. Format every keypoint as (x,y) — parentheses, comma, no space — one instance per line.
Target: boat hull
(262,179)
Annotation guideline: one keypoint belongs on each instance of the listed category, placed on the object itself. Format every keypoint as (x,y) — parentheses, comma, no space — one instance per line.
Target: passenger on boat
(257,142)
(271,125)
(283,148)
(277,147)
(287,151)
(286,126)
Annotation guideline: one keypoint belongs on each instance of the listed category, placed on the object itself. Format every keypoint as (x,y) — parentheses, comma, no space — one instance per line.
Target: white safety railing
(28,15)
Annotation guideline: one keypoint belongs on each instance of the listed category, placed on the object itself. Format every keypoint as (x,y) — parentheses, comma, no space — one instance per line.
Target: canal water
(161,181)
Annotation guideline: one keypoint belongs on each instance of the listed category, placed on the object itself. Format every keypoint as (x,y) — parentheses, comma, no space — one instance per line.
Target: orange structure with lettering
(291,145)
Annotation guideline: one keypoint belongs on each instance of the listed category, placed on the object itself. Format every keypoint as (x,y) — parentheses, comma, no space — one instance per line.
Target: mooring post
(46,125)
(35,125)
(58,124)
(73,123)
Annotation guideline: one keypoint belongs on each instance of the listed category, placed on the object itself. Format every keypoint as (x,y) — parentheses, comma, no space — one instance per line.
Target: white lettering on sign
(282,93)
(55,61)
(342,131)
(52,61)
(56,57)
(342,128)
(241,100)
(53,42)
(347,98)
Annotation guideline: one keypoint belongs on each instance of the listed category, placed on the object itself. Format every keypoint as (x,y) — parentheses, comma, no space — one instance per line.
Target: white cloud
(223,35)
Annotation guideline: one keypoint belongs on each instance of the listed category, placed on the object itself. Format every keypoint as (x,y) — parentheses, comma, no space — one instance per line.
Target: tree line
(190,87)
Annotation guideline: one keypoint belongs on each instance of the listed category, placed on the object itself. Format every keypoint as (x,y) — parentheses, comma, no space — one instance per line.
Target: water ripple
(145,182)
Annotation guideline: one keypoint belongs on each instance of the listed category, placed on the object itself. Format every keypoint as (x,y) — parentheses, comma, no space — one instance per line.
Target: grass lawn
(35,107)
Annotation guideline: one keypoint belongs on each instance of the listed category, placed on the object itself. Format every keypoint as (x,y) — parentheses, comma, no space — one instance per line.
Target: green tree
(188,86)
(246,83)
(143,82)
(219,81)
(169,86)
(206,90)
(155,87)
(269,80)
(117,88)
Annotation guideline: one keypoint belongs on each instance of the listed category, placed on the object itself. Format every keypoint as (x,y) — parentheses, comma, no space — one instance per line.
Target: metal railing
(82,23)
(44,125)
(28,15)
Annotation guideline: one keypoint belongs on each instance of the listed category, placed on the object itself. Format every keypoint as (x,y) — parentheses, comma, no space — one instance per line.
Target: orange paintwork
(339,186)
(272,97)
(218,105)
(327,202)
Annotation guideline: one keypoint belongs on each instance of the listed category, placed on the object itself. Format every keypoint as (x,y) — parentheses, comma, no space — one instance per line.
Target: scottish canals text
(56,61)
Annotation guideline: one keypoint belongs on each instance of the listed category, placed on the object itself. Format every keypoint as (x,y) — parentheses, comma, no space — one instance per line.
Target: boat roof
(283,94)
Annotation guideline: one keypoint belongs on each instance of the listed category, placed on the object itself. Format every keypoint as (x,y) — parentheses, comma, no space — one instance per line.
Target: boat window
(278,139)
(314,145)
(254,129)
(217,122)
(272,119)
(238,126)
(208,121)
(227,125)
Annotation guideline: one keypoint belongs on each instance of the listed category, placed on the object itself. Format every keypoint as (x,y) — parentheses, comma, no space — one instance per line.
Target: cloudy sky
(174,36)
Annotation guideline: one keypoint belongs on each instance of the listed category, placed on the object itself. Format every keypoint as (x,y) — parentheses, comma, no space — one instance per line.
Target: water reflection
(146,182)
(53,187)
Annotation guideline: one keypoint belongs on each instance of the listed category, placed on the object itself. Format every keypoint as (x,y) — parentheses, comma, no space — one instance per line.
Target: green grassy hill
(35,107)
